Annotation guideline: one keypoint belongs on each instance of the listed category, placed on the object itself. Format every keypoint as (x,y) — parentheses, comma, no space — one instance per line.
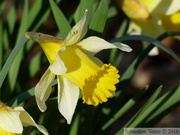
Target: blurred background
(17,17)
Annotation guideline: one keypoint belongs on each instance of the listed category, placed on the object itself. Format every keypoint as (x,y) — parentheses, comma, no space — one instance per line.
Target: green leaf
(34,64)
(24,96)
(99,18)
(61,21)
(157,109)
(137,117)
(1,46)
(75,125)
(11,18)
(124,109)
(34,10)
(13,72)
(41,20)
(21,98)
(163,106)
(113,54)
(84,4)
(5,39)
(146,105)
(19,45)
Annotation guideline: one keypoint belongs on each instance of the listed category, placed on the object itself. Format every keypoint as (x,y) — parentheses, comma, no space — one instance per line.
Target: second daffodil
(12,120)
(151,17)
(72,61)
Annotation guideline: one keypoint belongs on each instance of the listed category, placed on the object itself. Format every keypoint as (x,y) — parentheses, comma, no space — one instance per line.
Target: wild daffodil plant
(151,17)
(73,62)
(13,120)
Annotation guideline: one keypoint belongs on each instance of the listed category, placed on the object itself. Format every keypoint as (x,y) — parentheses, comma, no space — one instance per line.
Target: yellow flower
(12,120)
(151,17)
(171,22)
(72,61)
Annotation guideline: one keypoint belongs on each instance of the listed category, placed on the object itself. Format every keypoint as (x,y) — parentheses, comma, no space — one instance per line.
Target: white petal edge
(58,67)
(154,51)
(27,120)
(43,89)
(68,94)
(122,47)
(93,45)
(10,121)
(78,31)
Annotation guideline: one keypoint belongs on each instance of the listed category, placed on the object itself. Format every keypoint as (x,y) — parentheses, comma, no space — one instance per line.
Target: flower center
(96,83)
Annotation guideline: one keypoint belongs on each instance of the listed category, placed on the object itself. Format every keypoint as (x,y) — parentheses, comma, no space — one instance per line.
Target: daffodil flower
(72,61)
(151,17)
(12,120)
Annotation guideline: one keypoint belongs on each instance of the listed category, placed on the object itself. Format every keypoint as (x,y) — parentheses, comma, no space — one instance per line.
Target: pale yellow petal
(78,31)
(58,67)
(10,121)
(68,94)
(93,45)
(27,120)
(43,89)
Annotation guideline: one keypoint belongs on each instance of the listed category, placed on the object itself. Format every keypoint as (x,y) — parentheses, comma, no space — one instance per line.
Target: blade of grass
(84,4)
(121,31)
(1,46)
(61,21)
(35,64)
(124,109)
(164,105)
(13,72)
(39,23)
(99,18)
(5,39)
(42,20)
(24,96)
(156,109)
(75,125)
(11,18)
(19,45)
(34,10)
(142,109)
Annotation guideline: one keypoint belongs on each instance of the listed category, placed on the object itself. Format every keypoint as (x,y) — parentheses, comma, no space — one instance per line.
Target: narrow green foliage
(61,21)
(99,18)
(34,10)
(83,5)
(124,109)
(11,19)
(13,73)
(153,112)
(133,122)
(19,45)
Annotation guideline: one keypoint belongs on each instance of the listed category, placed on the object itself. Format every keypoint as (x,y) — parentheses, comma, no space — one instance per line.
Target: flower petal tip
(123,47)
